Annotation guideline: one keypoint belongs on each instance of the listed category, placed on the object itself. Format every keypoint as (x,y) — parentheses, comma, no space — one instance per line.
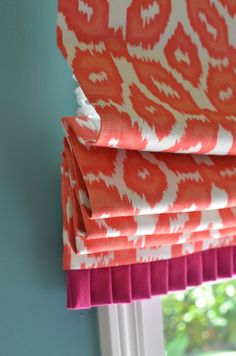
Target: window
(201,321)
(198,322)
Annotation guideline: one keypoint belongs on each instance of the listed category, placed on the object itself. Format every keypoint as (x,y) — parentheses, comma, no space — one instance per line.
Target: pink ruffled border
(124,284)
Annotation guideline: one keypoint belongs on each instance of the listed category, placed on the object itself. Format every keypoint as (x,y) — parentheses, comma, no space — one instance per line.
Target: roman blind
(148,167)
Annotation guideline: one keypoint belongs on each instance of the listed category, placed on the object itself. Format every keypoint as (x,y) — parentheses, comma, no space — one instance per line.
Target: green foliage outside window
(201,321)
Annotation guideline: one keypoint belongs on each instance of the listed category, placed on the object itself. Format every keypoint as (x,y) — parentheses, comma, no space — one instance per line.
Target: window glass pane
(201,321)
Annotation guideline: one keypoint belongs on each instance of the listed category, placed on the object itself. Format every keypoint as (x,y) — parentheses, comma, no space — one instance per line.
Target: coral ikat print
(124,206)
(160,74)
(149,161)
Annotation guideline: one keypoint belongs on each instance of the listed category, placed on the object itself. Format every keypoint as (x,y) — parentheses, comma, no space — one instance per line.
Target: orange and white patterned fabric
(124,206)
(149,161)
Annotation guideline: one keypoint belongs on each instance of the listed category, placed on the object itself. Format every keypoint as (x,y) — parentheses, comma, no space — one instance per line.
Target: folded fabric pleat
(177,274)
(140,281)
(101,285)
(159,277)
(121,284)
(225,262)
(209,265)
(193,184)
(125,284)
(78,289)
(195,275)
(128,183)
(234,261)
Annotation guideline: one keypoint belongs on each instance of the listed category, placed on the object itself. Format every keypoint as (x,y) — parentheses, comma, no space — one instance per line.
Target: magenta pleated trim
(124,284)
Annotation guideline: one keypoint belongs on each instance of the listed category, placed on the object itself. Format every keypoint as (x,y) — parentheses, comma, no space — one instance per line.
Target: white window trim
(132,329)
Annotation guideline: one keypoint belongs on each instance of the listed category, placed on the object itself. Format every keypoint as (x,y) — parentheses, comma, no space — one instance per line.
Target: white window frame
(134,329)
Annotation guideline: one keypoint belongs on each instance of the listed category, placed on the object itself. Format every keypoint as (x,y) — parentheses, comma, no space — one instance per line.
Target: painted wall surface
(36,91)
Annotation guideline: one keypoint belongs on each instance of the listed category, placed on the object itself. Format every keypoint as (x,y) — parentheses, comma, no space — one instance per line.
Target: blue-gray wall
(36,91)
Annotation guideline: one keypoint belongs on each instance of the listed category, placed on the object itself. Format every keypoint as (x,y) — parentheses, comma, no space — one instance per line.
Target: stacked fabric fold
(149,166)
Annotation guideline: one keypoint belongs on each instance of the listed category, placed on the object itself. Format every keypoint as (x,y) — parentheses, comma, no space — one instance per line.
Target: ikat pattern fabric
(147,221)
(160,73)
(149,160)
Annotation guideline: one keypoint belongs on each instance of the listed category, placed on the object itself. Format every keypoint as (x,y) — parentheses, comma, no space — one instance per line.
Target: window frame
(132,329)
